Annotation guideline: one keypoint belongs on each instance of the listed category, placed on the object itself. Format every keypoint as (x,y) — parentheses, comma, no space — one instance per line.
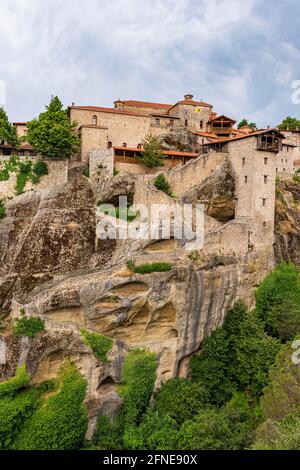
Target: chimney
(188,96)
(73,104)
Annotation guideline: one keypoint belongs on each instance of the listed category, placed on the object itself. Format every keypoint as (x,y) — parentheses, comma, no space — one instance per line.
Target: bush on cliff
(278,302)
(61,422)
(28,326)
(99,344)
(162,184)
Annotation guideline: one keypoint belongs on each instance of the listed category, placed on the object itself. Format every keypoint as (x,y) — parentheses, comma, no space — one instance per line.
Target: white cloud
(94,52)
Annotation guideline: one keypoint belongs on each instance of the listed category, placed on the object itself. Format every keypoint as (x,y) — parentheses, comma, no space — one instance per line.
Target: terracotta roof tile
(146,104)
(108,110)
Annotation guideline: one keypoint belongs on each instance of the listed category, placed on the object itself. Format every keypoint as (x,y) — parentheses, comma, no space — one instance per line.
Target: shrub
(40,168)
(61,422)
(2,210)
(12,386)
(25,167)
(149,268)
(28,326)
(162,184)
(99,344)
(14,411)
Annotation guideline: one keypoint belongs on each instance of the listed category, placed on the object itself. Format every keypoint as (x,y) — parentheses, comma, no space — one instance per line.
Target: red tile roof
(146,104)
(245,136)
(222,117)
(194,103)
(165,152)
(108,110)
(20,123)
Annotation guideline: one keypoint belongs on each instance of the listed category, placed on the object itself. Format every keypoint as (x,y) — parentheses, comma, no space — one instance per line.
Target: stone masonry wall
(57,174)
(195,171)
(101,159)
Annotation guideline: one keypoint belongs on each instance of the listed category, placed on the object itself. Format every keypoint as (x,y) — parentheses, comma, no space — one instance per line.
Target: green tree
(289,123)
(228,428)
(61,422)
(278,301)
(180,399)
(152,154)
(8,132)
(52,134)
(245,122)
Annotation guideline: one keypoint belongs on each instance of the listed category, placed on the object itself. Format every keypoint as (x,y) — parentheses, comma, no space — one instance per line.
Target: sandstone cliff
(53,265)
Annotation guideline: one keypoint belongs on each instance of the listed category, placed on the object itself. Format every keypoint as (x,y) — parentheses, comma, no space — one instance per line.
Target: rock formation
(53,265)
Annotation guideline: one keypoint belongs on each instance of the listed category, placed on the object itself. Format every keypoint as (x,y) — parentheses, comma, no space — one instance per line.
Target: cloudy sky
(241,56)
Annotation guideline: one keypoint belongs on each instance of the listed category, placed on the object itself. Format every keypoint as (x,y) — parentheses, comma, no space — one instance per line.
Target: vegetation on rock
(99,344)
(289,123)
(149,268)
(162,184)
(28,326)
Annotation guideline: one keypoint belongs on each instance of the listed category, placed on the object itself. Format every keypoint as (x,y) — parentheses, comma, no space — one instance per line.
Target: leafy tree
(244,122)
(278,301)
(236,356)
(8,131)
(180,399)
(229,428)
(289,123)
(256,353)
(151,154)
(61,422)
(52,134)
(211,367)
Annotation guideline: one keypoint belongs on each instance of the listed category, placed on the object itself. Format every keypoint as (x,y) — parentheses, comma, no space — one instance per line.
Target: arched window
(139,146)
(94,121)
(201,124)
(109,145)
(124,144)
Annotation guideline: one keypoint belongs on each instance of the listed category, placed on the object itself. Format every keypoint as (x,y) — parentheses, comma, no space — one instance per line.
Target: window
(201,124)
(244,161)
(186,122)
(246,179)
(265,179)
(171,122)
(266,160)
(157,121)
(139,146)
(94,121)
(284,169)
(264,202)
(264,224)
(124,144)
(109,145)
(276,170)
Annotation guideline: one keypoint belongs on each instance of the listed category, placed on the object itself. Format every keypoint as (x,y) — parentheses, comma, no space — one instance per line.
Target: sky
(240,56)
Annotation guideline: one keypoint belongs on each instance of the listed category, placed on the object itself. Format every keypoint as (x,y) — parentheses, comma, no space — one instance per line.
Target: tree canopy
(152,154)
(289,123)
(52,134)
(8,131)
(245,122)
